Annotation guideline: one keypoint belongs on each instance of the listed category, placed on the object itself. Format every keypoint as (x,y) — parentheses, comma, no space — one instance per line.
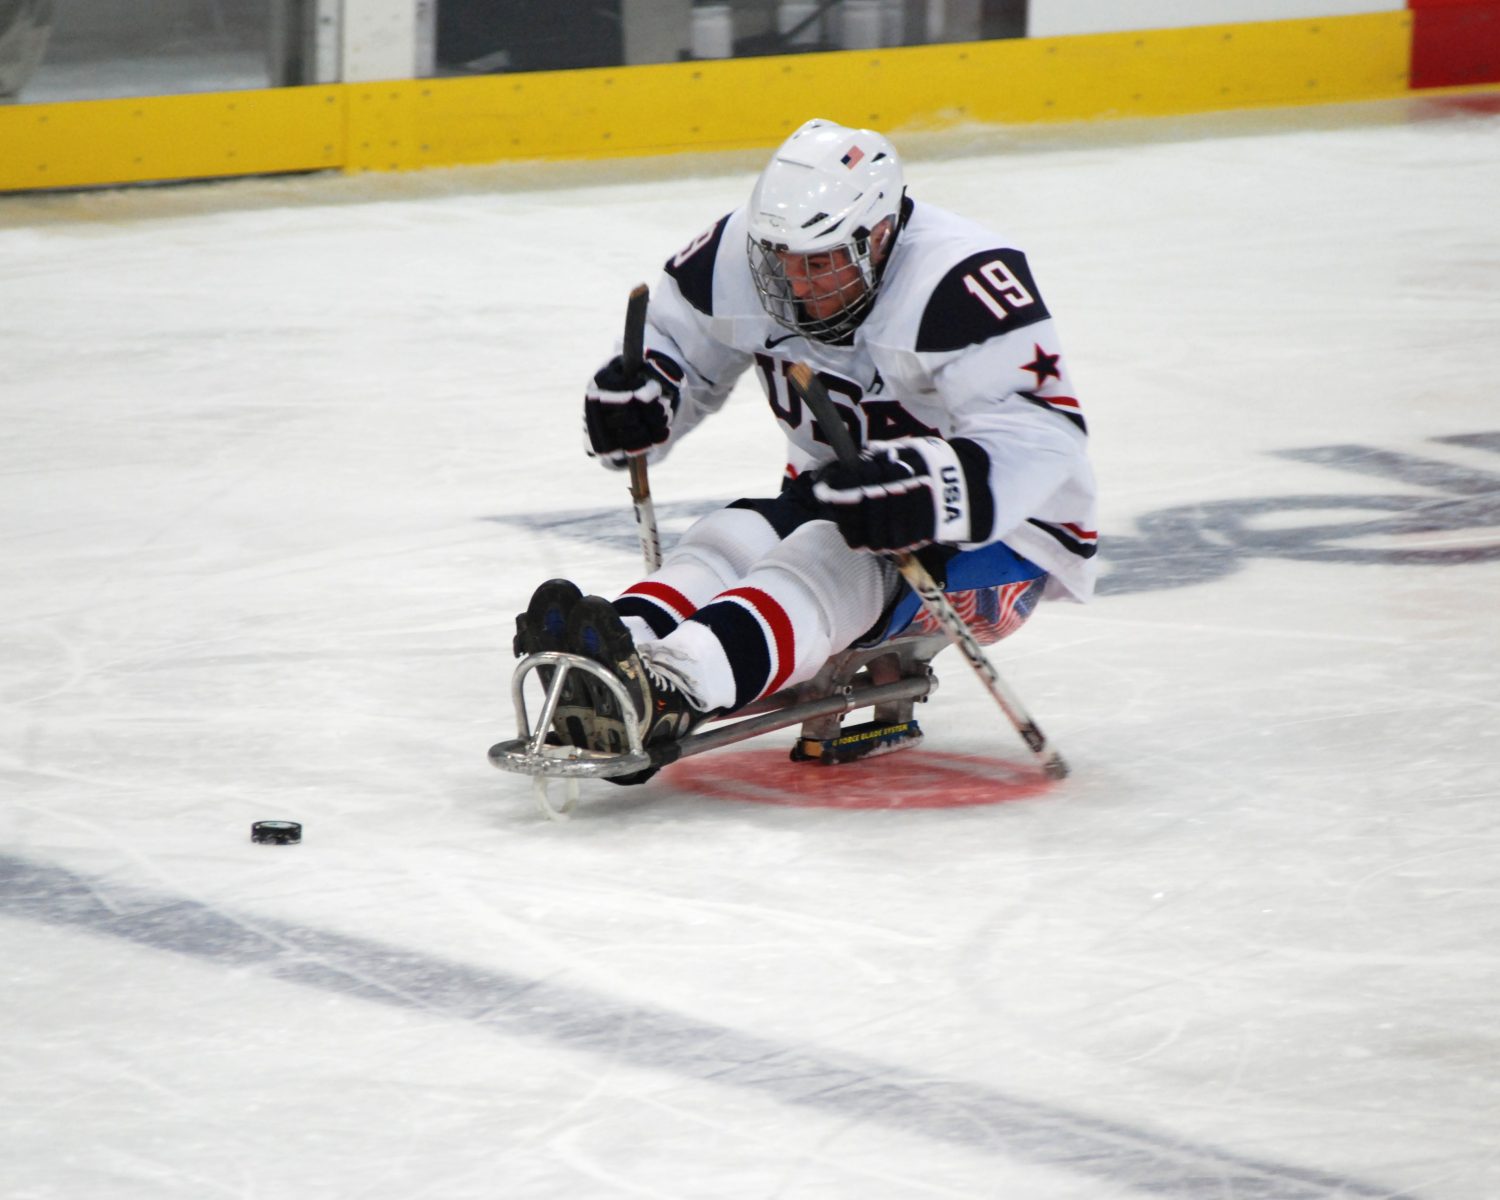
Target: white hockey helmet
(826,190)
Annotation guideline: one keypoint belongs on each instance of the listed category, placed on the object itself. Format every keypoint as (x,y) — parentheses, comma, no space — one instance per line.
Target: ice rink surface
(282,460)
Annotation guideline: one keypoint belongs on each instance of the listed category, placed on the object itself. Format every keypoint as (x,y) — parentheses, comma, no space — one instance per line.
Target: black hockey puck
(276,833)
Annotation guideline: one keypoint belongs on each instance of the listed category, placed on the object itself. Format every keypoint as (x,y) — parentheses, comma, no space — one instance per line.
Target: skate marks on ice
(968,1115)
(1453,521)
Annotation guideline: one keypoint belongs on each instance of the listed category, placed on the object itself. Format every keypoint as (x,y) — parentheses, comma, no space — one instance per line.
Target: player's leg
(661,707)
(807,598)
(713,555)
(716,552)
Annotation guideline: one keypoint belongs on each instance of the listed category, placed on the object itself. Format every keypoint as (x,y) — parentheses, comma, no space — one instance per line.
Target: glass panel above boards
(58,50)
(55,50)
(484,37)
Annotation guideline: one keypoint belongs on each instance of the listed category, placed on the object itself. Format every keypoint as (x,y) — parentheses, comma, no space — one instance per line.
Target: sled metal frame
(892,678)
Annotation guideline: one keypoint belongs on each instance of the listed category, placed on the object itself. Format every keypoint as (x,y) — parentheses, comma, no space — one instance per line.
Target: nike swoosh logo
(772,343)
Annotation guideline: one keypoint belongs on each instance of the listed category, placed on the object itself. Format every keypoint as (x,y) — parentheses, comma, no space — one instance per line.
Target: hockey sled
(890,678)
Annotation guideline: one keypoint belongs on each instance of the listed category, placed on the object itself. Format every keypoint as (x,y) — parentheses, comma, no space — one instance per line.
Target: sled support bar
(528,753)
(854,697)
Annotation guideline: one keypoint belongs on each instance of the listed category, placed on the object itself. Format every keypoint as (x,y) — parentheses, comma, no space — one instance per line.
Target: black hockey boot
(542,627)
(596,631)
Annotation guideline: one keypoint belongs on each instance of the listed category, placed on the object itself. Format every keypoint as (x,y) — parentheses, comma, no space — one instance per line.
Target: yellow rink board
(675,107)
(171,137)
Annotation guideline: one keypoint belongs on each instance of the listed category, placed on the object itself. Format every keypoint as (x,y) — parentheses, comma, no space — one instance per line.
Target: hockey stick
(937,604)
(633,356)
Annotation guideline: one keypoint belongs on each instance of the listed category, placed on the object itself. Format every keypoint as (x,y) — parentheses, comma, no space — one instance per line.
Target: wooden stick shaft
(633,355)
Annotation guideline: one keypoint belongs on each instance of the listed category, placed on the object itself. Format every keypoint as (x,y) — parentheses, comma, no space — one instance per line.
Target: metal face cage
(844,273)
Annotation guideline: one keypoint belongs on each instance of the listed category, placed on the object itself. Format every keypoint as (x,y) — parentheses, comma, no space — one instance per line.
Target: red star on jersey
(1043,366)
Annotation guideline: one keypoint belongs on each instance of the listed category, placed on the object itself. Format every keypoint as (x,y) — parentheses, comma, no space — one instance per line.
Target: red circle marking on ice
(909,779)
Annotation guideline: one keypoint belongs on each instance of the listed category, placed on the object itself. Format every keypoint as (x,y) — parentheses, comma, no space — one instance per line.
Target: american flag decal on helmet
(852,159)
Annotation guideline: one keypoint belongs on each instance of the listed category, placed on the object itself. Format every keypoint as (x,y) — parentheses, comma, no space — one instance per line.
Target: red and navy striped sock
(663,608)
(757,637)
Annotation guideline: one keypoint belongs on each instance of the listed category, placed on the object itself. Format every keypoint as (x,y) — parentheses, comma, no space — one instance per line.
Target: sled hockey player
(931,335)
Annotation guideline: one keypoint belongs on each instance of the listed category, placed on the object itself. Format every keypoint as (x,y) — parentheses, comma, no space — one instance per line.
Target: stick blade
(634,342)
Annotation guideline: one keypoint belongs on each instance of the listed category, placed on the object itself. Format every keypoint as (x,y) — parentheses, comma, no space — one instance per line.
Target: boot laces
(657,661)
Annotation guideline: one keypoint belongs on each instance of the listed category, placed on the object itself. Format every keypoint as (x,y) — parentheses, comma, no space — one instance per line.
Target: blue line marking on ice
(968,1115)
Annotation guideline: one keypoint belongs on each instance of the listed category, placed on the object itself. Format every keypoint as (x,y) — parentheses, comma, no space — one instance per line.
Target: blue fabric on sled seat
(990,567)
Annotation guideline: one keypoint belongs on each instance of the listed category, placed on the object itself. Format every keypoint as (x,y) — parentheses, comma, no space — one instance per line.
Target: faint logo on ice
(1455,519)
(612,528)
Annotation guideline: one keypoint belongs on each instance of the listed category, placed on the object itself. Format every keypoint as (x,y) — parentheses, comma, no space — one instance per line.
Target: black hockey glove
(901,495)
(626,413)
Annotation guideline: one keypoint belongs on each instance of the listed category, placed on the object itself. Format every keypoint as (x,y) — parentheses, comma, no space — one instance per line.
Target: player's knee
(729,541)
(846,583)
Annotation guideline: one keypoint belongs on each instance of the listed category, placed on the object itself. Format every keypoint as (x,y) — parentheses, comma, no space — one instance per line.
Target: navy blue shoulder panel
(985,296)
(693,267)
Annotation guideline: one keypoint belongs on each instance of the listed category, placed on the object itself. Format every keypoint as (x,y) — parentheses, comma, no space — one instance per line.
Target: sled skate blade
(858,741)
(539,790)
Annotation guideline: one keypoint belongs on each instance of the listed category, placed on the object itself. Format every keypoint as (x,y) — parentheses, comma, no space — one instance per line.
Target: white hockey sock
(808,598)
(711,556)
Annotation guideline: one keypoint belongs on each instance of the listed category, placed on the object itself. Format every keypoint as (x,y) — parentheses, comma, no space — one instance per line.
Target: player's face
(824,284)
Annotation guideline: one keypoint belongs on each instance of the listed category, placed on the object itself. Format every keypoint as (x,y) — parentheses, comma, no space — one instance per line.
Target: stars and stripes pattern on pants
(991,613)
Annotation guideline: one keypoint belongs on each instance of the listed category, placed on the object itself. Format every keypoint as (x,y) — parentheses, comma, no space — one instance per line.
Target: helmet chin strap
(875,248)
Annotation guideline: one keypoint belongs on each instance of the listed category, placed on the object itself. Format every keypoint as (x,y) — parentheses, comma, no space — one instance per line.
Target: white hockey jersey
(959,344)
